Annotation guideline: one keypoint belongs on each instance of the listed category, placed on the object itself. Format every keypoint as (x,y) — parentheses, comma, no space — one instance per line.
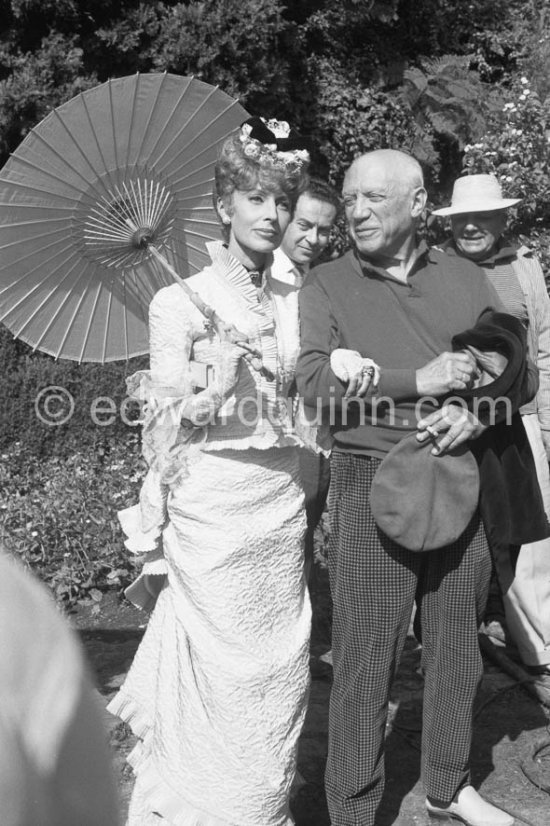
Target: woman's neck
(250,259)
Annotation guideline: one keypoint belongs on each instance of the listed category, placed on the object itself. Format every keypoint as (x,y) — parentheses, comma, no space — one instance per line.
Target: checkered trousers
(373,583)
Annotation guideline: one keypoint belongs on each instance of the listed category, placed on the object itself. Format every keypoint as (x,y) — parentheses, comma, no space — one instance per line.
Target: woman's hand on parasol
(230,334)
(231,355)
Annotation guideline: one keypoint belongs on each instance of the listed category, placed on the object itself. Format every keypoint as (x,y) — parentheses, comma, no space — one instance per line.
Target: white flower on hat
(280,128)
(252,149)
(268,154)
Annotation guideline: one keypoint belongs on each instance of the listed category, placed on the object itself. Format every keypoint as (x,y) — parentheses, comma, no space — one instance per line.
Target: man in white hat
(478,214)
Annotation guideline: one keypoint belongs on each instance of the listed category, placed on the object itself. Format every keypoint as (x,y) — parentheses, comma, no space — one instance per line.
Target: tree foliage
(431,77)
(463,86)
(516,148)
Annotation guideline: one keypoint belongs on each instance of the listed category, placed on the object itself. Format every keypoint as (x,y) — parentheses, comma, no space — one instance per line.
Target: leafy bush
(516,148)
(59,517)
(355,75)
(37,82)
(217,41)
(29,380)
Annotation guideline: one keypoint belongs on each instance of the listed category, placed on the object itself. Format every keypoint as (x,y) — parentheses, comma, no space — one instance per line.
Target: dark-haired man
(305,239)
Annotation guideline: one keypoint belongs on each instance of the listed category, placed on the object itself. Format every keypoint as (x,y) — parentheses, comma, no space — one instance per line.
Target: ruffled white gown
(217,691)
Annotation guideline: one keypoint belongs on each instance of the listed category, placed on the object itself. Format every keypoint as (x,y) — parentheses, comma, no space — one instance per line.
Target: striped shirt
(535,304)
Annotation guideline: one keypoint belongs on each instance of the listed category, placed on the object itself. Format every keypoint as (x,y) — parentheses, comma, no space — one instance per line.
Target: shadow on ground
(509,724)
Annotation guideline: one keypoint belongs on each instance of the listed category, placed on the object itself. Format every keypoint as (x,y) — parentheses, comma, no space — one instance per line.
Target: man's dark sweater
(352,304)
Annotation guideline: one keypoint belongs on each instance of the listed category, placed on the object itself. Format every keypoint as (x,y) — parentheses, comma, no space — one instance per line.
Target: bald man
(398,303)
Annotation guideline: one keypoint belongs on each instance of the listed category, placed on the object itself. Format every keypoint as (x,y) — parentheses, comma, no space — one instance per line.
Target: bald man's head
(384,197)
(399,164)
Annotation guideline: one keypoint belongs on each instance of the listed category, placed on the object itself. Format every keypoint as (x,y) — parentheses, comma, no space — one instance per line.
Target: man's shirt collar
(363,266)
(285,270)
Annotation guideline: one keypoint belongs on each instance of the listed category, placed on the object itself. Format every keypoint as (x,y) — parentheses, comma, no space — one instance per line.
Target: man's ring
(432,431)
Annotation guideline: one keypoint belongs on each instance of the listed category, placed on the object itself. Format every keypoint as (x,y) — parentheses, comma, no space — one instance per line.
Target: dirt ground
(511,725)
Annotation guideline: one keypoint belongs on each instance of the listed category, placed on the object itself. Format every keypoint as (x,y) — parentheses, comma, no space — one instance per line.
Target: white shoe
(471,809)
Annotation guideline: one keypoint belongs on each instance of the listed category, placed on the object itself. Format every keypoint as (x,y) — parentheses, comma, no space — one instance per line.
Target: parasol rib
(113,129)
(196,249)
(36,222)
(107,321)
(194,198)
(134,276)
(160,203)
(63,160)
(106,210)
(189,232)
(130,204)
(54,315)
(125,318)
(141,200)
(197,209)
(36,206)
(201,221)
(34,238)
(150,118)
(89,327)
(162,132)
(195,138)
(81,301)
(44,301)
(42,171)
(70,135)
(209,180)
(97,143)
(36,189)
(132,115)
(39,266)
(176,137)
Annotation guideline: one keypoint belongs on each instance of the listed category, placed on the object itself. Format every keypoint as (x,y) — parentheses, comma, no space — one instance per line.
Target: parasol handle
(208,312)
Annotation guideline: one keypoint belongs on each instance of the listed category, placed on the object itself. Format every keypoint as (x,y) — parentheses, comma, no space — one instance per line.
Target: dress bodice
(258,413)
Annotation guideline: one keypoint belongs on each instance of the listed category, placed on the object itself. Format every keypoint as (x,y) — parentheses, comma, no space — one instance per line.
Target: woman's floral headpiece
(274,143)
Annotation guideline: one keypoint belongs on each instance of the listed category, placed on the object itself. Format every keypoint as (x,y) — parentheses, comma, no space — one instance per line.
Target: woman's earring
(226,220)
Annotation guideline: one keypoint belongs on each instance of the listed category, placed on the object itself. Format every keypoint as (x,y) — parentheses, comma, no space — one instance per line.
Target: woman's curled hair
(247,165)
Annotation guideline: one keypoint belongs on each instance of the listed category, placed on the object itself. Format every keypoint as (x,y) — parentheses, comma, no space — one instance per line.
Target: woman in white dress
(217,691)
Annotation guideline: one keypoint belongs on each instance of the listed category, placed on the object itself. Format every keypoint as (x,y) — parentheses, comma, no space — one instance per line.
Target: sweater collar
(364,267)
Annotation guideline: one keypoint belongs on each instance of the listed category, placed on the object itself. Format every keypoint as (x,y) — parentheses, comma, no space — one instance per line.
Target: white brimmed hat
(476,193)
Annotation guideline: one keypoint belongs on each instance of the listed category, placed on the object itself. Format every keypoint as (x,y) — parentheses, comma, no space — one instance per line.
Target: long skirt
(218,688)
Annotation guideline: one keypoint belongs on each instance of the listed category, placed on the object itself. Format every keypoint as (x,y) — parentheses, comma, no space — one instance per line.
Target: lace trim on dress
(160,797)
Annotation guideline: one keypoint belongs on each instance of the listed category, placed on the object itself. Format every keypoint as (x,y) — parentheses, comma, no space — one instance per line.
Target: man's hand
(491,362)
(349,366)
(447,372)
(457,425)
